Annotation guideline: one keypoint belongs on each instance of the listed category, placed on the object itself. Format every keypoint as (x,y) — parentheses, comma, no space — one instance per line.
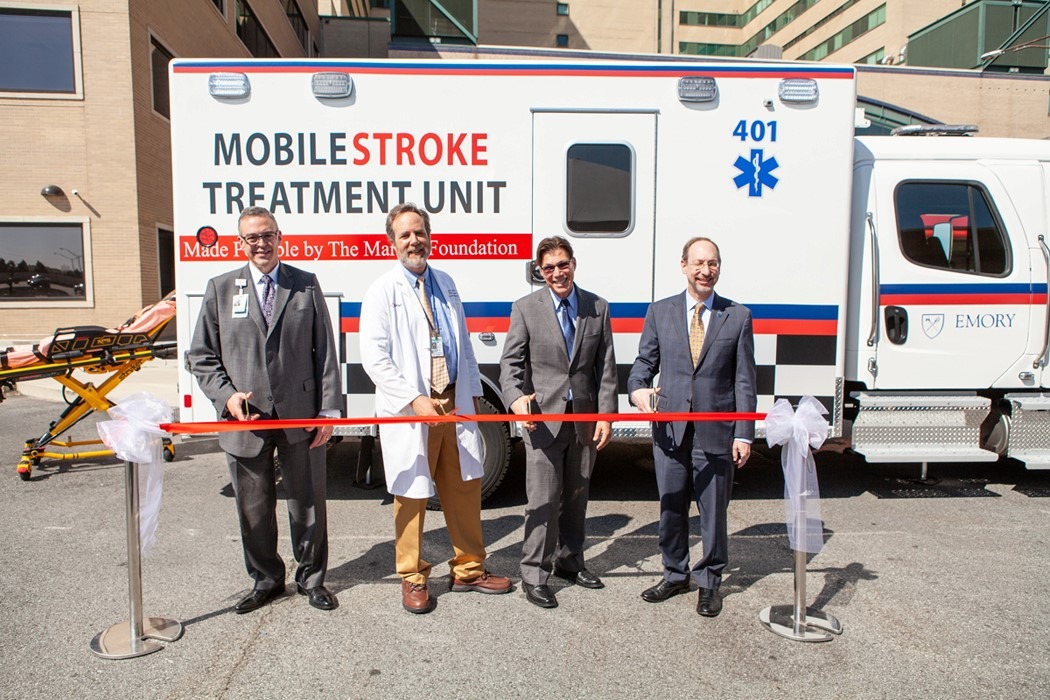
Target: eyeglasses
(256,238)
(560,266)
(701,264)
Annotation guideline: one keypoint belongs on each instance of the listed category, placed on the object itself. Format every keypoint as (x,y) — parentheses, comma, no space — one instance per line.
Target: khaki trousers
(460,502)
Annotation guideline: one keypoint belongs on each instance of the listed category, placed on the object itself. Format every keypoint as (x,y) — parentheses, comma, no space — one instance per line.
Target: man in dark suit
(703,348)
(263,348)
(558,357)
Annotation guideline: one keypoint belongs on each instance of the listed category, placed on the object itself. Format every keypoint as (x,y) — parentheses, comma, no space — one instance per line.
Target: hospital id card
(436,348)
(240,306)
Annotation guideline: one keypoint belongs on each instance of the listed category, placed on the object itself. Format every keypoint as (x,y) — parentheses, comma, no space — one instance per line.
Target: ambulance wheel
(495,455)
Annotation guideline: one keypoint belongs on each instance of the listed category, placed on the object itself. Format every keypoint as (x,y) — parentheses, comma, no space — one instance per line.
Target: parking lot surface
(941,590)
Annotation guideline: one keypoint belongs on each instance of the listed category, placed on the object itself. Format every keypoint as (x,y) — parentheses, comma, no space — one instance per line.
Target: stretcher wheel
(169,452)
(25,469)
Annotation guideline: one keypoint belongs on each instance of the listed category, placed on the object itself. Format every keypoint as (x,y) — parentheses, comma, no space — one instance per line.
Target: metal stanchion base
(115,642)
(819,626)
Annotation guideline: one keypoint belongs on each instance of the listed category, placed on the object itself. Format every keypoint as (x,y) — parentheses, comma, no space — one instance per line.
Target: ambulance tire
(495,455)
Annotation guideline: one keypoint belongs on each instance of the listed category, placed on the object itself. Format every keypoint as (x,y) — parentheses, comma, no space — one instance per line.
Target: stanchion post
(126,640)
(796,621)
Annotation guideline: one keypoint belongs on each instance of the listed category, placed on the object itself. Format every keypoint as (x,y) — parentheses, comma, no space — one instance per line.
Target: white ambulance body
(830,240)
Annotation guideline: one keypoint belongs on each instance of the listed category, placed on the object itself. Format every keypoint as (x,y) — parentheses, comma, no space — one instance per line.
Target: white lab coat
(395,352)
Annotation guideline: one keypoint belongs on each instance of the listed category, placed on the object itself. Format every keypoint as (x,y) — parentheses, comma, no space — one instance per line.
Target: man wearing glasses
(415,348)
(703,348)
(558,358)
(264,349)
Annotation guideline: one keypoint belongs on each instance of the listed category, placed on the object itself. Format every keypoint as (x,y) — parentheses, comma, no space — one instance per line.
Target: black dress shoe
(320,597)
(540,595)
(583,577)
(710,603)
(664,590)
(257,598)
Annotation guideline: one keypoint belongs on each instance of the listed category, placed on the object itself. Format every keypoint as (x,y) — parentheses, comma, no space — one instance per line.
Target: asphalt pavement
(940,589)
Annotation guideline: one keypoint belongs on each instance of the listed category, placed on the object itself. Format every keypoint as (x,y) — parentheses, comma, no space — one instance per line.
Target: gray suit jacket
(535,361)
(291,369)
(723,380)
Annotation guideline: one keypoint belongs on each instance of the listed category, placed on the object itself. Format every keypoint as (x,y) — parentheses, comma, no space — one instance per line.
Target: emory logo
(932,324)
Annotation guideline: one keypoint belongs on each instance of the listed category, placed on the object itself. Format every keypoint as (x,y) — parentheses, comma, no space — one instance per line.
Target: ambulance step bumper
(1029,433)
(933,427)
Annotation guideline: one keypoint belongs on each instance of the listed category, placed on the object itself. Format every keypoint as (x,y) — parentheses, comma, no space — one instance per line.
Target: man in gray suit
(703,348)
(558,358)
(263,348)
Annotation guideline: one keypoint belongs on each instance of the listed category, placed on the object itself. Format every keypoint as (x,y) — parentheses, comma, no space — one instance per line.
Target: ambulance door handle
(1040,360)
(874,332)
(896,325)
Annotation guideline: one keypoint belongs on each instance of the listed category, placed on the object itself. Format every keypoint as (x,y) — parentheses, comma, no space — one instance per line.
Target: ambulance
(901,280)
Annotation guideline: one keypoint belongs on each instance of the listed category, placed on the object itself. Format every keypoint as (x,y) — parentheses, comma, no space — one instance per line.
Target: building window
(599,196)
(951,226)
(561,41)
(166,260)
(693,48)
(252,34)
(159,58)
(220,5)
(862,26)
(875,57)
(39,51)
(379,4)
(563,9)
(298,22)
(41,262)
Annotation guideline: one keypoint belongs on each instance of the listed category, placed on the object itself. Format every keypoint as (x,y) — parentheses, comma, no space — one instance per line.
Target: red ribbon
(228,426)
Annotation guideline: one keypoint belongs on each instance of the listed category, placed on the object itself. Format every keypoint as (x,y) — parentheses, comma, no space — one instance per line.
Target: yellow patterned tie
(438,368)
(696,334)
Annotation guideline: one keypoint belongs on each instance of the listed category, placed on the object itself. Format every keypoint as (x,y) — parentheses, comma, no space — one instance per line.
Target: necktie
(696,334)
(269,293)
(568,326)
(438,368)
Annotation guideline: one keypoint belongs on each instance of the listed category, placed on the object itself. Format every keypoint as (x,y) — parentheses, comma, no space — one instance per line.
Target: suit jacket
(723,380)
(291,368)
(395,353)
(535,360)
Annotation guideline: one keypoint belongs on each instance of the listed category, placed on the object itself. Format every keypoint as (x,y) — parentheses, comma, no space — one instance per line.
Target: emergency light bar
(798,90)
(229,85)
(332,85)
(697,89)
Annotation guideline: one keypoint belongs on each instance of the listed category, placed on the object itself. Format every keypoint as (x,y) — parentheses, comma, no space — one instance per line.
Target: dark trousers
(689,473)
(305,480)
(557,484)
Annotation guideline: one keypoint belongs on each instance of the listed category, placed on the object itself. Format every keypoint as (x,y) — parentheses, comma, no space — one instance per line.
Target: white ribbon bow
(134,435)
(798,431)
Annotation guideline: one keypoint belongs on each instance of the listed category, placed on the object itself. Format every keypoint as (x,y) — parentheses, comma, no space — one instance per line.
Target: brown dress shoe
(414,597)
(486,583)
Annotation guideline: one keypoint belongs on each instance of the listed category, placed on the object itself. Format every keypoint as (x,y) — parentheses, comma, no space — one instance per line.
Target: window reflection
(41,262)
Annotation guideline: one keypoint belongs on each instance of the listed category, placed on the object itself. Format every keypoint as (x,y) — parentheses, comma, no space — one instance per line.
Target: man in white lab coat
(415,348)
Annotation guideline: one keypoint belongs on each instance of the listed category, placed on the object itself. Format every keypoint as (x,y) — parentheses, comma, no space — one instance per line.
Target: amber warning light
(207,236)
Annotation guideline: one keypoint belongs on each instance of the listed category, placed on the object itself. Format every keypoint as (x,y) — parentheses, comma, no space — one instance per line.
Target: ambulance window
(599,189)
(952,226)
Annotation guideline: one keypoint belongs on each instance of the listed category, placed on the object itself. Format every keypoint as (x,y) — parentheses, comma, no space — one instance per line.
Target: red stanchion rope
(228,426)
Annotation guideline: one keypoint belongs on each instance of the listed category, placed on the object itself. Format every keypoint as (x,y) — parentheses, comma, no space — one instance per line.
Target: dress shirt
(442,317)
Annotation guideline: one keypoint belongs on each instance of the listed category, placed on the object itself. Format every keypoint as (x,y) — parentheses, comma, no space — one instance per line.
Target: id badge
(240,306)
(436,348)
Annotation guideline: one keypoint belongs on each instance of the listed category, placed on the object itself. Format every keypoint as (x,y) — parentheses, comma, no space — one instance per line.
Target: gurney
(119,352)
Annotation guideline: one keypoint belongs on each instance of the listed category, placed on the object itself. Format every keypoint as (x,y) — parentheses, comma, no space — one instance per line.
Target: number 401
(755,130)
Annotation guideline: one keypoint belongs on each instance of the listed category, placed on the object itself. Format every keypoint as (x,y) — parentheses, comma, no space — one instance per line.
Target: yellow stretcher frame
(120,362)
